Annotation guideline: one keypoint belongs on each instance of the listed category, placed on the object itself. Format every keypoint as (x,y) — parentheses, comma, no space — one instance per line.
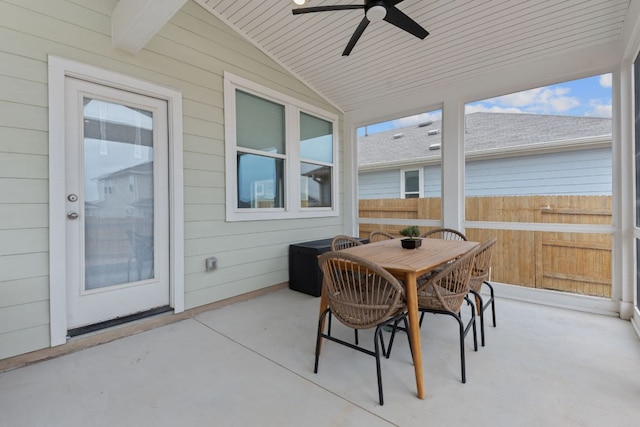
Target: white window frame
(403,179)
(292,199)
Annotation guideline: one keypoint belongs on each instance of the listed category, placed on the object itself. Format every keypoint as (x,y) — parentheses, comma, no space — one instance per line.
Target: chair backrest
(446,289)
(378,235)
(482,265)
(445,234)
(361,294)
(341,242)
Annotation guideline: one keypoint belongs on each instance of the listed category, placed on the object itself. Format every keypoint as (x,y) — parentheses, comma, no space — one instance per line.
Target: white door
(117,226)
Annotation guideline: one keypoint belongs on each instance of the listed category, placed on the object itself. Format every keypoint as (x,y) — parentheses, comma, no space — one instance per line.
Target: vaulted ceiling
(467,38)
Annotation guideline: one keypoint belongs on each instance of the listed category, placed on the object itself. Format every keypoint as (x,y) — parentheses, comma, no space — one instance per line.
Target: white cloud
(481,108)
(598,109)
(605,80)
(544,100)
(418,118)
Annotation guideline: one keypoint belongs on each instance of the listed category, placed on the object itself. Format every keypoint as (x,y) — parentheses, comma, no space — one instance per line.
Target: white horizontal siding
(586,172)
(190,54)
(432,181)
(379,185)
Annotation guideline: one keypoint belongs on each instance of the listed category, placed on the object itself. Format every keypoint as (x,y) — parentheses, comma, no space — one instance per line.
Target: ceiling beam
(135,22)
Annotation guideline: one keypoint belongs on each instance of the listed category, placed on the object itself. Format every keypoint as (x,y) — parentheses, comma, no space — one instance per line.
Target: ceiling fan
(375,10)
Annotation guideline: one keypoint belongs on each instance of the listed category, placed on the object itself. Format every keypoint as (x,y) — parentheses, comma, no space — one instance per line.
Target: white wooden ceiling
(467,38)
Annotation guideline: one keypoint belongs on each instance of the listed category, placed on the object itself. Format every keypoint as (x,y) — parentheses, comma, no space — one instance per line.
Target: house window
(411,183)
(316,164)
(281,155)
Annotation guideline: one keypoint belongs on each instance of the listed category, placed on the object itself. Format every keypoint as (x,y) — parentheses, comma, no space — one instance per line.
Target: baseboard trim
(121,331)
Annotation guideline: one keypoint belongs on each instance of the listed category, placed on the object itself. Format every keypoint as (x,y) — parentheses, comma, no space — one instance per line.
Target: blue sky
(585,97)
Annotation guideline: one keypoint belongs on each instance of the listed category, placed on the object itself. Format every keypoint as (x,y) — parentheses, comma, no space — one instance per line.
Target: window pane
(316,139)
(411,182)
(260,181)
(259,123)
(315,186)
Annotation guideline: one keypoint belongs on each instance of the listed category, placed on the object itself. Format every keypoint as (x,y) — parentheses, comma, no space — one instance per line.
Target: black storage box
(304,272)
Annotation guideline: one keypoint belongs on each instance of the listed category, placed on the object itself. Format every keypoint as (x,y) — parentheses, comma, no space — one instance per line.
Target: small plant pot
(411,243)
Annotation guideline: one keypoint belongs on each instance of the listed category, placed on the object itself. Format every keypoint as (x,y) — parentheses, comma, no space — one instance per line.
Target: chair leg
(377,340)
(480,310)
(393,334)
(355,331)
(473,324)
(492,301)
(462,362)
(319,337)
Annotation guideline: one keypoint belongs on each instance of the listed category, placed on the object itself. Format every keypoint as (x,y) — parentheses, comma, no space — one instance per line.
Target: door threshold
(117,321)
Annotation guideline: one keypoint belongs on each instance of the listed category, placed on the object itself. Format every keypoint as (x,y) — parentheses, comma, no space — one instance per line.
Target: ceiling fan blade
(356,35)
(300,10)
(396,17)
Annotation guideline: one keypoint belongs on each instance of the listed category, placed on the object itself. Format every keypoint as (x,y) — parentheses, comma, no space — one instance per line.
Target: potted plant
(411,242)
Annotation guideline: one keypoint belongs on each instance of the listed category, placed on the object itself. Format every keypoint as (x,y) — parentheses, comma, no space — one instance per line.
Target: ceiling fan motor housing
(375,10)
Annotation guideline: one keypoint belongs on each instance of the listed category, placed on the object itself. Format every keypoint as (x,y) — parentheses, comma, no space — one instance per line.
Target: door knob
(72,215)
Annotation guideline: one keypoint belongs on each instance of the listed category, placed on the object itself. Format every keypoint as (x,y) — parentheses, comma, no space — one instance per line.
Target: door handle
(72,215)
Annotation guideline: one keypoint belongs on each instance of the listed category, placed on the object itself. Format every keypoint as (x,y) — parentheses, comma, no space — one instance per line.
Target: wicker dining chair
(479,277)
(361,295)
(444,233)
(341,242)
(379,235)
(444,293)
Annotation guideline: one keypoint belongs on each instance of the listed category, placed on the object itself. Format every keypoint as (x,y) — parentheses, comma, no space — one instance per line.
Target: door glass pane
(259,123)
(118,194)
(315,186)
(316,139)
(260,181)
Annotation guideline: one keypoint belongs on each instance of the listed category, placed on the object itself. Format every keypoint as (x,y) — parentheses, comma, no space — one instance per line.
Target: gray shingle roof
(483,131)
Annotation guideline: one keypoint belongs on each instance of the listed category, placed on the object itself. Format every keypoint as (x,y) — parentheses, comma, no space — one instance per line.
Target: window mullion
(293,163)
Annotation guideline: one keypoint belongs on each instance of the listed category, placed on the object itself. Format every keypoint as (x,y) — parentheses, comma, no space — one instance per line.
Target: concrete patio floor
(251,363)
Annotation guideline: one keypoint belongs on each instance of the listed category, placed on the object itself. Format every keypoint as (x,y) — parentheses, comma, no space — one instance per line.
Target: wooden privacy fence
(563,261)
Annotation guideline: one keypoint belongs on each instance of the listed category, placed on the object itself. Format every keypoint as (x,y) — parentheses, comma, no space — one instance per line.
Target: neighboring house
(506,154)
(127,192)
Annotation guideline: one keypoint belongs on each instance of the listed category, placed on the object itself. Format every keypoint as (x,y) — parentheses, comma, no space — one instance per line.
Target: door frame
(59,69)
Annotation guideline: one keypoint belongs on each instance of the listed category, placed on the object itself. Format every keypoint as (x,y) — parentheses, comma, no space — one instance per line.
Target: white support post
(350,174)
(453,164)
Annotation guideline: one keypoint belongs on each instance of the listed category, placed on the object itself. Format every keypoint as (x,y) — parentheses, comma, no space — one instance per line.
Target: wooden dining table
(408,265)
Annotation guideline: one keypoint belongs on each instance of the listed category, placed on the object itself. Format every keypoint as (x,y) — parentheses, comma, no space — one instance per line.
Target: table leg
(323,307)
(414,333)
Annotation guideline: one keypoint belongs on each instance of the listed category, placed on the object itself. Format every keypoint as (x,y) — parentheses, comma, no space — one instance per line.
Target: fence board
(569,262)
